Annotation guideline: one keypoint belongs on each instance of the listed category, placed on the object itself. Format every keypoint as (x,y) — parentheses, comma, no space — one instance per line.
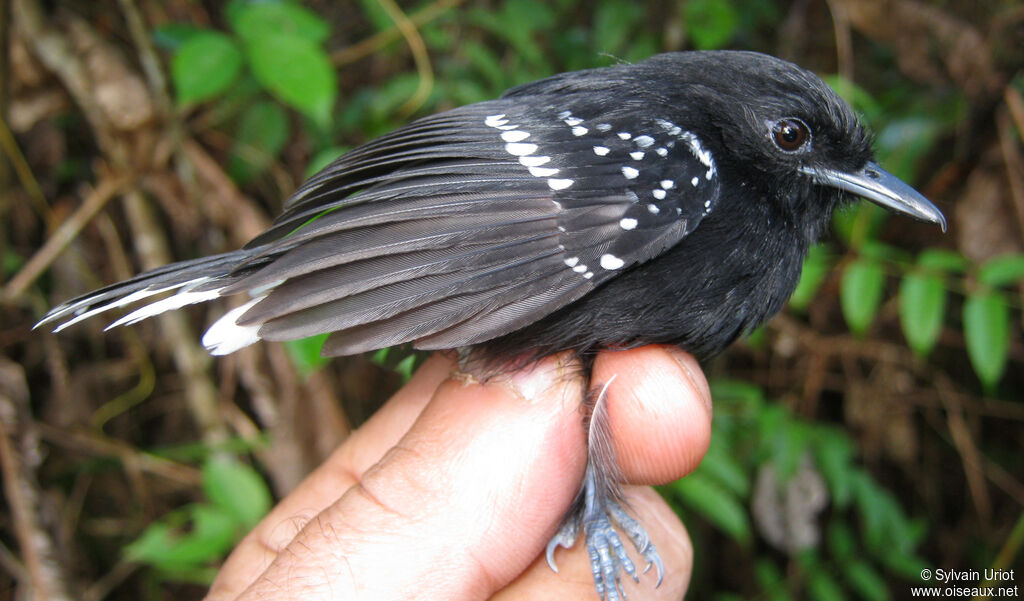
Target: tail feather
(196,281)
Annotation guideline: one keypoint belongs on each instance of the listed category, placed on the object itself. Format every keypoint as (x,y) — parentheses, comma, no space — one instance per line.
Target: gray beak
(882,188)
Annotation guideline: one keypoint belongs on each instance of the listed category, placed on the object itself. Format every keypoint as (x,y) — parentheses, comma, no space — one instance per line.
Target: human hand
(452,489)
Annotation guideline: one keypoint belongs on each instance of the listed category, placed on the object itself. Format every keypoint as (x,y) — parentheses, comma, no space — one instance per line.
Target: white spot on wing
(630,172)
(573,121)
(601,150)
(628,223)
(572,261)
(580,268)
(604,126)
(610,261)
(667,184)
(543,171)
(515,135)
(579,130)
(653,208)
(564,114)
(520,148)
(659,194)
(637,155)
(495,120)
(559,184)
(644,141)
(695,181)
(662,151)
(625,135)
(533,161)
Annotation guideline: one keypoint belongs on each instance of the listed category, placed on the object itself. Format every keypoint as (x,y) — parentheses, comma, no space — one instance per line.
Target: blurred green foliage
(863,523)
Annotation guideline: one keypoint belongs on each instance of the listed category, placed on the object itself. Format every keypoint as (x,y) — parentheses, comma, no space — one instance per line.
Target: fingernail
(693,373)
(534,381)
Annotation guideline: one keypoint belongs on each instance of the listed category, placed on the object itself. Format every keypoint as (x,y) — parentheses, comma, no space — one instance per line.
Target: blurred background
(872,430)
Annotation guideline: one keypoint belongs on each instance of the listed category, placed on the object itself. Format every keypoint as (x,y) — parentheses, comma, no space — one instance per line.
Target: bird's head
(797,141)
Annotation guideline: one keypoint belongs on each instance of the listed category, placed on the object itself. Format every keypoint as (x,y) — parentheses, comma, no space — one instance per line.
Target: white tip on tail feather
(186,297)
(226,336)
(124,301)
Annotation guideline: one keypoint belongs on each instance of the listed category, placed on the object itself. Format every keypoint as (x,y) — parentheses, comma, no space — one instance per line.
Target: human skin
(452,490)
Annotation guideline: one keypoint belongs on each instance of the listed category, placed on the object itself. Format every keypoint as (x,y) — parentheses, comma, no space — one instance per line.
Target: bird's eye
(790,134)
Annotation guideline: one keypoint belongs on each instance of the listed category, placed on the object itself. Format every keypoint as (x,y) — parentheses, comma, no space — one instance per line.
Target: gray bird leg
(600,507)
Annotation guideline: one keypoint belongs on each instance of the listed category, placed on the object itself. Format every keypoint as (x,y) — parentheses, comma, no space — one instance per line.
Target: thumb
(459,507)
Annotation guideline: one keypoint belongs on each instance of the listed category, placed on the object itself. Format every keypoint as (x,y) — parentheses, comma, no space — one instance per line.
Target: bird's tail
(195,281)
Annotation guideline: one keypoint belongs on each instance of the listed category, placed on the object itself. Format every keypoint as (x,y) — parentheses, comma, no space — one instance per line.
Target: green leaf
(987,333)
(860,293)
(874,249)
(715,503)
(485,62)
(833,454)
(237,488)
(821,586)
(858,97)
(614,23)
(941,259)
(922,306)
(172,35)
(297,72)
(376,14)
(323,158)
(710,24)
(185,539)
(204,66)
(841,542)
(1003,270)
(261,134)
(380,356)
(861,222)
(257,20)
(737,390)
(305,353)
(902,143)
(815,268)
(719,466)
(772,582)
(405,367)
(866,581)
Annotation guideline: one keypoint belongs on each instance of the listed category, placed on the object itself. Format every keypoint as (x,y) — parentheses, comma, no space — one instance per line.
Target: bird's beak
(882,188)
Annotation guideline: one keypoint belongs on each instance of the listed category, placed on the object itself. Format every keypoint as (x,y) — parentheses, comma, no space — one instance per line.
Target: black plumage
(668,201)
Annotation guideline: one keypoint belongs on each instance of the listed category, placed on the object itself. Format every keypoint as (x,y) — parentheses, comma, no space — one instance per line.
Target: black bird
(667,201)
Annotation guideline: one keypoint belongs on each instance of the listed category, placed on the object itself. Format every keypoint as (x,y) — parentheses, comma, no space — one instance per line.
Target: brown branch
(64,235)
(150,244)
(377,41)
(19,458)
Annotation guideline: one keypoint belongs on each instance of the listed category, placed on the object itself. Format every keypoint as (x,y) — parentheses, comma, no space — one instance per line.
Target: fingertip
(659,406)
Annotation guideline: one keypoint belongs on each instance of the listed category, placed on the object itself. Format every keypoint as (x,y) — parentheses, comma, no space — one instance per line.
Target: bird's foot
(598,518)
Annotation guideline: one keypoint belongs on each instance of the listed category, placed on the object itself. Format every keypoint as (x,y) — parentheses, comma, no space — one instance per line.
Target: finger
(329,481)
(461,505)
(574,579)
(659,408)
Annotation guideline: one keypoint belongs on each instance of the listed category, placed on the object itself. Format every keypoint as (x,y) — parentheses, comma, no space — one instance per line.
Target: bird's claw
(565,537)
(605,549)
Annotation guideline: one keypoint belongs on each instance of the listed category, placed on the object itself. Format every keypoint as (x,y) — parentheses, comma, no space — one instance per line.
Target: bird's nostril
(872,174)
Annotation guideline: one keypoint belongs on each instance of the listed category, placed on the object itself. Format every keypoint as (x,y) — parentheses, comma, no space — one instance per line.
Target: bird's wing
(473,223)
(453,230)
